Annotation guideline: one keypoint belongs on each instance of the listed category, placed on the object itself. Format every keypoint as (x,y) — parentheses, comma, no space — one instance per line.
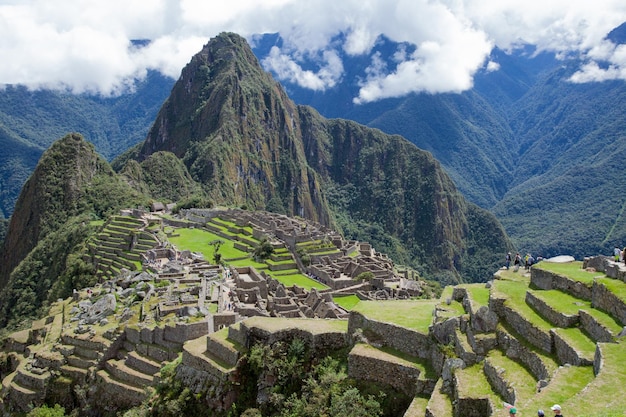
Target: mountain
(70,186)
(565,196)
(31,120)
(539,151)
(243,138)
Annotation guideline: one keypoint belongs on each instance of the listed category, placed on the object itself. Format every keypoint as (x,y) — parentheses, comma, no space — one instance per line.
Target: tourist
(512,411)
(557,410)
(508,260)
(624,255)
(518,261)
(617,252)
(540,413)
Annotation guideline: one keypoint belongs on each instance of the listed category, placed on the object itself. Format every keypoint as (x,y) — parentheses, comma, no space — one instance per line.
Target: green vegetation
(347,302)
(413,314)
(327,391)
(45,411)
(570,269)
(515,374)
(199,240)
(479,294)
(300,280)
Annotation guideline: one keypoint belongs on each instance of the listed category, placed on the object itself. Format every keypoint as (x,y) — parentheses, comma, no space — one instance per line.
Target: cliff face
(247,143)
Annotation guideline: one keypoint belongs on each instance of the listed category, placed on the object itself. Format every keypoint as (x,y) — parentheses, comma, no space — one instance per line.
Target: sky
(85,46)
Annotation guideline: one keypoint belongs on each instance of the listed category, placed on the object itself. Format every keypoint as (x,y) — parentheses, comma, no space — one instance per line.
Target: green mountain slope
(565,197)
(71,185)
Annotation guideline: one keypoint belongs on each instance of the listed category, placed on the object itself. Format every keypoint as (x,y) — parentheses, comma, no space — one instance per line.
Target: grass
(578,340)
(562,302)
(314,326)
(197,240)
(603,394)
(515,374)
(446,311)
(426,370)
(300,280)
(567,384)
(440,403)
(473,383)
(478,293)
(413,314)
(572,270)
(347,302)
(618,288)
(259,266)
(515,292)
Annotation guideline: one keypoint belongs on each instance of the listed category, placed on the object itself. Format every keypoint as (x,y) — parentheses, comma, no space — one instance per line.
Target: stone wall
(547,280)
(223,350)
(320,344)
(607,265)
(364,366)
(405,340)
(517,351)
(534,335)
(605,300)
(596,330)
(497,380)
(598,359)
(470,407)
(566,353)
(596,262)
(555,317)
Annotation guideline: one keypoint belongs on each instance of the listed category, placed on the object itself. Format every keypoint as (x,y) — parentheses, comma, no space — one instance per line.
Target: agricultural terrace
(199,240)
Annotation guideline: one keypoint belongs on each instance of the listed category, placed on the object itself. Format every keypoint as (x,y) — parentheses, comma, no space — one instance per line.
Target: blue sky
(84,45)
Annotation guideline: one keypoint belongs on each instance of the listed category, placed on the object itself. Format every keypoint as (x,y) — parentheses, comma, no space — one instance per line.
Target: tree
(45,411)
(264,250)
(217,256)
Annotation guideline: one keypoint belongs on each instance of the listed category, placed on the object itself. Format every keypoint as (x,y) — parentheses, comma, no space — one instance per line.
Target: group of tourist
(556,408)
(517,261)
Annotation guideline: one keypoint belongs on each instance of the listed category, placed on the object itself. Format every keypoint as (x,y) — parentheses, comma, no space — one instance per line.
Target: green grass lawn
(562,302)
(568,304)
(473,383)
(515,292)
(197,240)
(603,394)
(516,375)
(578,340)
(259,266)
(617,287)
(412,314)
(478,293)
(300,280)
(572,270)
(567,384)
(346,302)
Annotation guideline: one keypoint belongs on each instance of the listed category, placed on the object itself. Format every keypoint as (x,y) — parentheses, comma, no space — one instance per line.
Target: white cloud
(288,69)
(84,45)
